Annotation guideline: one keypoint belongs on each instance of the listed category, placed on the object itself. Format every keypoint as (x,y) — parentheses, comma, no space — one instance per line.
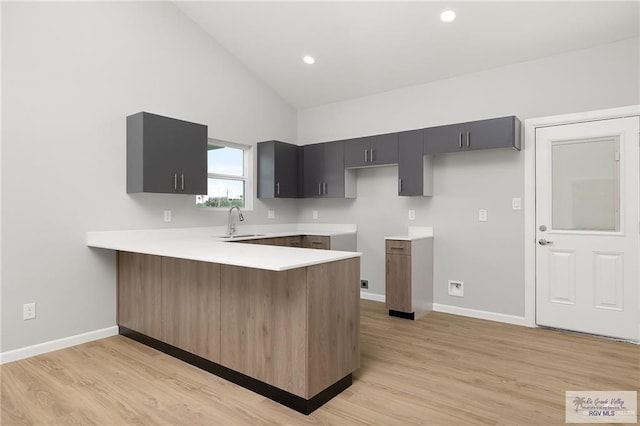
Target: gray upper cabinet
(278,171)
(323,166)
(375,150)
(166,155)
(484,134)
(411,164)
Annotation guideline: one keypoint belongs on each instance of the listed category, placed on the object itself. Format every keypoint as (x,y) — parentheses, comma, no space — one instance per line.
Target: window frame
(247,173)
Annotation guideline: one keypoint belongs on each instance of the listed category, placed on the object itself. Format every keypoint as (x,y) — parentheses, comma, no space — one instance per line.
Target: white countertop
(414,233)
(204,244)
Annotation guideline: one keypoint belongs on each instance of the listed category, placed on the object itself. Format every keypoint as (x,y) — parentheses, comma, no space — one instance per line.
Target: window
(228,171)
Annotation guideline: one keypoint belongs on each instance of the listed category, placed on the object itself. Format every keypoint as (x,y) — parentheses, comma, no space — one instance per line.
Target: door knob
(544,242)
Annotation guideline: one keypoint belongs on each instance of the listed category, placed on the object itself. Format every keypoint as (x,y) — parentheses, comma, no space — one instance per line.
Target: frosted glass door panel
(586,185)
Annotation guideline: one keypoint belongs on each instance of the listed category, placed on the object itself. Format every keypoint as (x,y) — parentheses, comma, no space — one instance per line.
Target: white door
(587,228)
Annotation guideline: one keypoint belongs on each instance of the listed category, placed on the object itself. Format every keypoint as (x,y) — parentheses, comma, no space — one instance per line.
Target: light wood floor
(439,370)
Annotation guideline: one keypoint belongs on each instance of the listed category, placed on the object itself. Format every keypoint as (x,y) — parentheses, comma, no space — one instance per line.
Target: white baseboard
(372,296)
(58,344)
(485,315)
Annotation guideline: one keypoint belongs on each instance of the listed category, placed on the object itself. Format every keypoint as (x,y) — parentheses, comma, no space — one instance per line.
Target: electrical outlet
(364,283)
(315,214)
(271,214)
(482,215)
(456,288)
(412,215)
(167,215)
(28,311)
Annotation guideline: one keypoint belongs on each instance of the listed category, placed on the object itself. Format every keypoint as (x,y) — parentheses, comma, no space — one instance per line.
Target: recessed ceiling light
(447,16)
(309,60)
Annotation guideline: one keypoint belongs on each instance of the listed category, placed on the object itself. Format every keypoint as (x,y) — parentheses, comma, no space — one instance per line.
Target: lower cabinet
(295,330)
(409,277)
(321,242)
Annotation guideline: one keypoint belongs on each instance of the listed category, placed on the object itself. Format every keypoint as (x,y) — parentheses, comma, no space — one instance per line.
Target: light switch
(271,214)
(516,203)
(412,215)
(482,215)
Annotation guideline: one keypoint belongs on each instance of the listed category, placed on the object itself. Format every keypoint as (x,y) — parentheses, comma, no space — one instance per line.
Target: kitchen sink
(231,237)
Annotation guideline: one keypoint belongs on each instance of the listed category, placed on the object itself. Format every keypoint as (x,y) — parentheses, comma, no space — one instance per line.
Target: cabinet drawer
(316,242)
(398,247)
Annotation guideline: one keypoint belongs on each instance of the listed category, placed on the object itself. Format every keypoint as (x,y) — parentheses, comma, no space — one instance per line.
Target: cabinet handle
(399,185)
(460,140)
(396,247)
(366,154)
(319,189)
(316,242)
(175,181)
(468,139)
(278,188)
(372,155)
(182,181)
(324,188)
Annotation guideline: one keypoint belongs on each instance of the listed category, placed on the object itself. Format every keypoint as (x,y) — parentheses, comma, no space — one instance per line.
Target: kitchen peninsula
(281,321)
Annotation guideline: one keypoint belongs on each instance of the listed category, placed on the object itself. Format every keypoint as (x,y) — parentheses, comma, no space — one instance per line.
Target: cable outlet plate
(364,283)
(456,288)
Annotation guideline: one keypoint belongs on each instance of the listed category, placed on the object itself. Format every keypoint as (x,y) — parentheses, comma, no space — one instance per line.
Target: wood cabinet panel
(398,282)
(321,242)
(397,247)
(190,306)
(334,322)
(263,325)
(140,293)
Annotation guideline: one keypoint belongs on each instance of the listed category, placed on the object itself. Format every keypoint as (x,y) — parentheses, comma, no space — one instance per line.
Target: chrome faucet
(231,224)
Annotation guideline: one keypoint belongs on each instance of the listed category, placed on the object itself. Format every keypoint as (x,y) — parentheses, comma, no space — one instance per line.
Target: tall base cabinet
(409,275)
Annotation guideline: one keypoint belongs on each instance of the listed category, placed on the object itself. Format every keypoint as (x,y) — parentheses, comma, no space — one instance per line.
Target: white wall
(71,73)
(487,257)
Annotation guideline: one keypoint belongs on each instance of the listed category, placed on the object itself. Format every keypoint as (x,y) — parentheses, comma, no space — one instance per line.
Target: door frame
(530,126)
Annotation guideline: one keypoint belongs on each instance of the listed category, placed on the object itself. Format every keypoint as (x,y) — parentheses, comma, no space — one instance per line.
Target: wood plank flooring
(439,370)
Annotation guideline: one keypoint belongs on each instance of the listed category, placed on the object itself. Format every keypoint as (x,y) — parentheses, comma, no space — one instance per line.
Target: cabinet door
(398,282)
(160,164)
(384,149)
(286,170)
(356,152)
(442,139)
(140,293)
(492,133)
(334,169)
(190,295)
(410,163)
(313,163)
(191,154)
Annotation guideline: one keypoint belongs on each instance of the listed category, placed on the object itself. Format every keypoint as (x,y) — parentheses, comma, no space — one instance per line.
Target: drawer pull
(397,247)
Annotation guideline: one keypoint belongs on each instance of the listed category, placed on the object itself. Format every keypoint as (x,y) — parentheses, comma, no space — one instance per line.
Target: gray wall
(488,257)
(71,73)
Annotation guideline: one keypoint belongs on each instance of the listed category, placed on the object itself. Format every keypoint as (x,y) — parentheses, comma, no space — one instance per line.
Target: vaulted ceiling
(362,48)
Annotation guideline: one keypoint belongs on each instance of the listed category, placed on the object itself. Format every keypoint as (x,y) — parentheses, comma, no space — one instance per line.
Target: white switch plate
(412,215)
(516,203)
(482,215)
(167,215)
(28,311)
(315,214)
(271,214)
